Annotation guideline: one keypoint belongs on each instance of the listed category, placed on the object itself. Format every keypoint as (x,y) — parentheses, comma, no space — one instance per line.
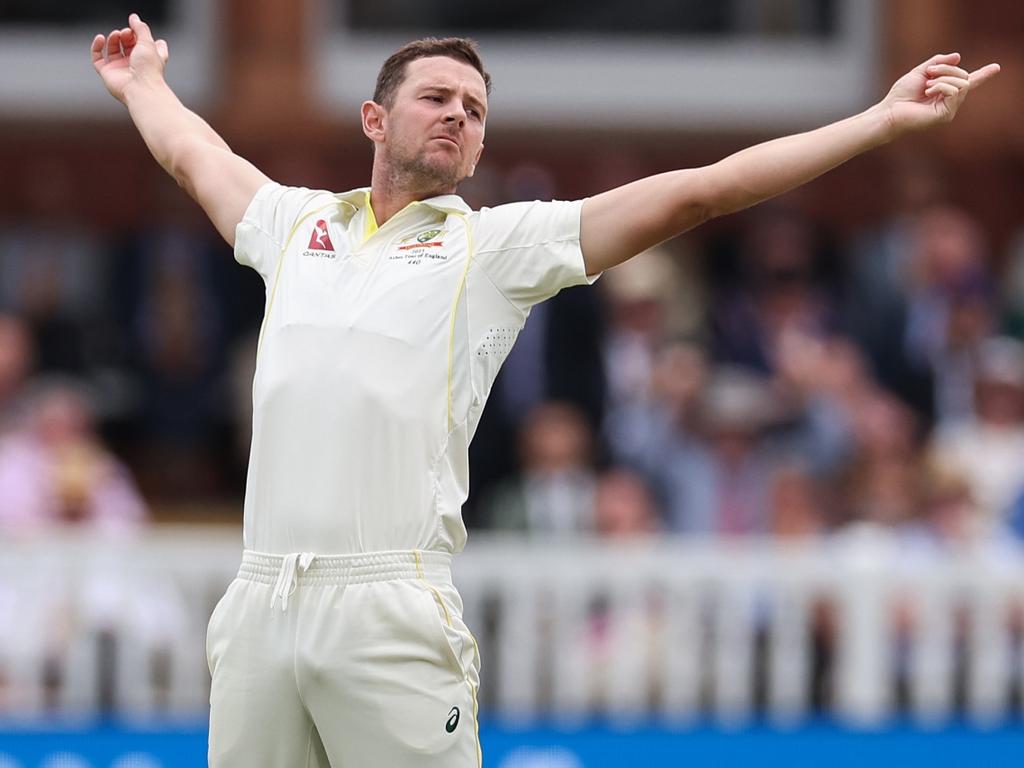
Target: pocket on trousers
(445,629)
(213,623)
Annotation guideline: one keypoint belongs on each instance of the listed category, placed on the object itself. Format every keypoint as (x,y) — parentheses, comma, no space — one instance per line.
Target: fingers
(951,86)
(939,70)
(981,76)
(119,43)
(128,40)
(96,50)
(939,64)
(114,45)
(951,59)
(942,89)
(139,27)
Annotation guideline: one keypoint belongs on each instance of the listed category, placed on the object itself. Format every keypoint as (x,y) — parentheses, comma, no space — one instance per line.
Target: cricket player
(389,311)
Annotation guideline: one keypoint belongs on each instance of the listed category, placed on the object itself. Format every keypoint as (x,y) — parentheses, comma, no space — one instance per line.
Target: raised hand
(128,55)
(932,92)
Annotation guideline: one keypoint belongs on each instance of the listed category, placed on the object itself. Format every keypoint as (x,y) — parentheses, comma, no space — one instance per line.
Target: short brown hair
(392,74)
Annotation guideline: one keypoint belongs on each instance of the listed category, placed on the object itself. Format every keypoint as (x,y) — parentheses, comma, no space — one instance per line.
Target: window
(44,52)
(657,18)
(689,64)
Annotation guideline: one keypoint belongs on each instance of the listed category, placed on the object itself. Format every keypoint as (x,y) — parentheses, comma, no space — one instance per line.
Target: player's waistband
(289,572)
(311,568)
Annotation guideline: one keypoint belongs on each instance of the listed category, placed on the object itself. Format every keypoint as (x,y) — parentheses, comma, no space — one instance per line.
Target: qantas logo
(320,242)
(320,239)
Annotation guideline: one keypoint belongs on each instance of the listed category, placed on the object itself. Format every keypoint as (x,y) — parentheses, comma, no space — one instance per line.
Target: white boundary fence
(670,628)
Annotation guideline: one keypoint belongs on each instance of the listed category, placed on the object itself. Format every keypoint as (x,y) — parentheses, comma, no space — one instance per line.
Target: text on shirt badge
(424,246)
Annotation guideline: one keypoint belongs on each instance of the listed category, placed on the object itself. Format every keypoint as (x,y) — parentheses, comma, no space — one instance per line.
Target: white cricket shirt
(378,350)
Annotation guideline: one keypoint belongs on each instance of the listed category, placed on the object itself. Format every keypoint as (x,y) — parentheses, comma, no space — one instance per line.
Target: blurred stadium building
(758,495)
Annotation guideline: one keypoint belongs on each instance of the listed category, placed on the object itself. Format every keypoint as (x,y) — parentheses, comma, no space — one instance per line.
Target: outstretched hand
(128,55)
(932,92)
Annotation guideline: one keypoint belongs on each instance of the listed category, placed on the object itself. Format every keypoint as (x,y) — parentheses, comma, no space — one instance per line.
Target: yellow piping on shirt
(277,272)
(470,248)
(370,226)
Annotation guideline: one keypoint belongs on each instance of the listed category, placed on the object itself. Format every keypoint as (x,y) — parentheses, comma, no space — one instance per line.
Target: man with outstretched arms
(389,311)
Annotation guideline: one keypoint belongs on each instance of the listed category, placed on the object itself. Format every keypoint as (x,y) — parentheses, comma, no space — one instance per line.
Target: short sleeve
(531,251)
(267,224)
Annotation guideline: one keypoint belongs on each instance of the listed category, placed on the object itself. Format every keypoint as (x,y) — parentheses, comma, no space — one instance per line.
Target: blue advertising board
(592,746)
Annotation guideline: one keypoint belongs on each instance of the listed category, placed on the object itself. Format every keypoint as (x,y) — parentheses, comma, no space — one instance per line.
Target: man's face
(434,130)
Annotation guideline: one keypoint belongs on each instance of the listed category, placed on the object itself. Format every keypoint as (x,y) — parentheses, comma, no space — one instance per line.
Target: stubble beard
(418,172)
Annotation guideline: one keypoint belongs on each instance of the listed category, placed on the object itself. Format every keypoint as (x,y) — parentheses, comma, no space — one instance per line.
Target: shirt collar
(444,203)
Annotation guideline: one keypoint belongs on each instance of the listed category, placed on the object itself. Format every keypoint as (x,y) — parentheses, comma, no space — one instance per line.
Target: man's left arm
(625,221)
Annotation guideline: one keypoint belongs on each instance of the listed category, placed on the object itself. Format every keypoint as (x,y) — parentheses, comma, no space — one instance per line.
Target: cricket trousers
(342,661)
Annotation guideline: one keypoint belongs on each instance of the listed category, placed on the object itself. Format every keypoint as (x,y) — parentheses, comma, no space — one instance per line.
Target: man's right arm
(131,64)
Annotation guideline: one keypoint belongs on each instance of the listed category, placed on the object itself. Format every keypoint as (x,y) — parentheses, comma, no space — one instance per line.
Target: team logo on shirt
(320,242)
(423,246)
(430,234)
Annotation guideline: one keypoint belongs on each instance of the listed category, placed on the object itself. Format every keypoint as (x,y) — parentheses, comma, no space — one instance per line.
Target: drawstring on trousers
(288,577)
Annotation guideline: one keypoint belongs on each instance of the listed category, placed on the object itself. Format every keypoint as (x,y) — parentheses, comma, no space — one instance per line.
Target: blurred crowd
(767,379)
(774,380)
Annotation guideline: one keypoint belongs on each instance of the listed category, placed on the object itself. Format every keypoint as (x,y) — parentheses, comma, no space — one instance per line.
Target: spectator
(639,295)
(637,430)
(53,271)
(554,493)
(55,471)
(950,514)
(949,309)
(1011,288)
(624,506)
(732,476)
(988,446)
(920,338)
(175,308)
(881,261)
(796,504)
(556,357)
(704,451)
(882,270)
(825,380)
(779,291)
(880,483)
(17,357)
